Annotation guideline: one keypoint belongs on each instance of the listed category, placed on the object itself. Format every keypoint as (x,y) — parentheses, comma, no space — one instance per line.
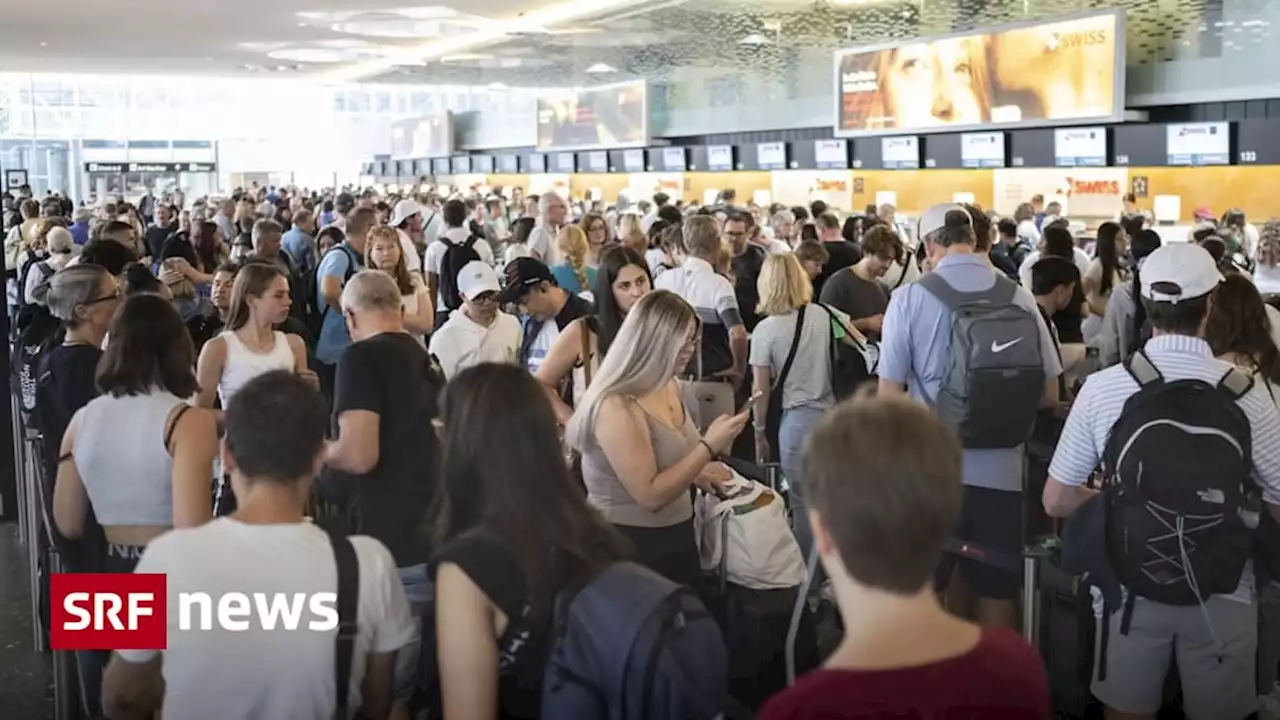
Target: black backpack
(456,256)
(37,335)
(1176,471)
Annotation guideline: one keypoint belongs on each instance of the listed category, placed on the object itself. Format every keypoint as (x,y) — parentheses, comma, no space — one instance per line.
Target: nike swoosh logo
(1001,347)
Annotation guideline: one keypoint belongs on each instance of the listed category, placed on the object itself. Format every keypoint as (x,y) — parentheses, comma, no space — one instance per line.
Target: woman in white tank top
(250,345)
(383,253)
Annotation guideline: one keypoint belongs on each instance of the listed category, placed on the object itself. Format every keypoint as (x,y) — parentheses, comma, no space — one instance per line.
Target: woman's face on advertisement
(933,84)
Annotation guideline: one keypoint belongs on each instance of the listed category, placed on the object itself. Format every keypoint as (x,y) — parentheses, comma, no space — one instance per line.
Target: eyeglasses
(119,293)
(485,297)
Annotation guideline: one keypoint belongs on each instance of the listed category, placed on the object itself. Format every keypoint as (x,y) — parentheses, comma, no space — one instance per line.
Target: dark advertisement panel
(1139,145)
(943,152)
(1031,148)
(1066,70)
(1258,142)
(591,118)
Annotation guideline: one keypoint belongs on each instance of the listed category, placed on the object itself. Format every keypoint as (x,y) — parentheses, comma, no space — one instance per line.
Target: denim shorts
(418,590)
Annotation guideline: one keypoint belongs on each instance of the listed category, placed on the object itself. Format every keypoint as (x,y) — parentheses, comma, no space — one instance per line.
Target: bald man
(385,402)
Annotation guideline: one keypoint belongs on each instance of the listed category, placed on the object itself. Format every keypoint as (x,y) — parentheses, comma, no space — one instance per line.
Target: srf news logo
(130,611)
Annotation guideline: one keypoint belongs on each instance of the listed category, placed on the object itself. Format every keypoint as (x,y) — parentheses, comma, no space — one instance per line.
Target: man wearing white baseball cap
(478,332)
(1191,432)
(989,385)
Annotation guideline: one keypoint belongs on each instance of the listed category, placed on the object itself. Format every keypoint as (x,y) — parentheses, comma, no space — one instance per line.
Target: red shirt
(1001,678)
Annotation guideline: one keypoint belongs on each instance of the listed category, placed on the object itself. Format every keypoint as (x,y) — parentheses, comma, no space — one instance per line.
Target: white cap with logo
(1179,271)
(477,278)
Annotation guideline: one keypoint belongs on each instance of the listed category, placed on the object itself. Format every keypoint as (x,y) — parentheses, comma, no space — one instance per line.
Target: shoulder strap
(1001,292)
(344,554)
(585,333)
(1143,371)
(791,354)
(1237,383)
(173,427)
(906,258)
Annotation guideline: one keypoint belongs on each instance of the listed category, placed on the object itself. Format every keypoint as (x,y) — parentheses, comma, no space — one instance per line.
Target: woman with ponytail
(574,275)
(1124,321)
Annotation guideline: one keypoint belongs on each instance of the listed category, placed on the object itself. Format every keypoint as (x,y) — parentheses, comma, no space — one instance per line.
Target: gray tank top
(607,493)
(122,460)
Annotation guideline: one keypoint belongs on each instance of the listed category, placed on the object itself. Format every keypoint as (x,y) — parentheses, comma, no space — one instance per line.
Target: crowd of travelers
(657,460)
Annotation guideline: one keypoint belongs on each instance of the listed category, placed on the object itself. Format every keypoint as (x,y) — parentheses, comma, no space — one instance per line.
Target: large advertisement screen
(1047,73)
(594,118)
(423,137)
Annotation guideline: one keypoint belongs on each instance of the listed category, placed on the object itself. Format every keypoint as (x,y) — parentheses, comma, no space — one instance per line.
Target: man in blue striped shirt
(1215,643)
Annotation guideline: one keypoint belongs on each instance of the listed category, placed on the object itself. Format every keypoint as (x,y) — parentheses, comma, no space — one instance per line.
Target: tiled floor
(26,692)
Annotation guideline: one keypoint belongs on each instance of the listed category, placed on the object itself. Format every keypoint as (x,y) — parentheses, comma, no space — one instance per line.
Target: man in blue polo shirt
(915,352)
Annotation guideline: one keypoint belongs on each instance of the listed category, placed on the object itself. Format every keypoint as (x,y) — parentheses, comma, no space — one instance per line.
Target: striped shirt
(1178,357)
(716,303)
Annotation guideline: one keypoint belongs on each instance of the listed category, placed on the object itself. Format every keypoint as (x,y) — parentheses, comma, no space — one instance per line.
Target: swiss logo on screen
(108,611)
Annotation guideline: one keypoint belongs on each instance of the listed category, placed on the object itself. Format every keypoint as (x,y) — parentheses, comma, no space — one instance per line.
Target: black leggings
(670,551)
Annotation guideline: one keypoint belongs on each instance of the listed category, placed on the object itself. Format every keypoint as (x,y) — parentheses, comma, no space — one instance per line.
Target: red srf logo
(107,611)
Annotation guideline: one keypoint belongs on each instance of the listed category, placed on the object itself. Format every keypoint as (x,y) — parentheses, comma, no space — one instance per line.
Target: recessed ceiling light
(601,68)
(754,39)
(497,86)
(44,44)
(302,24)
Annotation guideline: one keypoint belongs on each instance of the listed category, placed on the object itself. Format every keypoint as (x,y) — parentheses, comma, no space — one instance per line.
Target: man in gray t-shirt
(857,291)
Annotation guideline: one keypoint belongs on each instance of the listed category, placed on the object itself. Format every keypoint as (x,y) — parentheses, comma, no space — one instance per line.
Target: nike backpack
(994,378)
(1176,470)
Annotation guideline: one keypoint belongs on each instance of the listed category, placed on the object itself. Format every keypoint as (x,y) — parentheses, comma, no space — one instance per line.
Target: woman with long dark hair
(622,280)
(1239,330)
(1122,324)
(511,530)
(518,245)
(1105,273)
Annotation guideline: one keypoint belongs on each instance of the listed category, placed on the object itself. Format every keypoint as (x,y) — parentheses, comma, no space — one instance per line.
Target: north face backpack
(632,645)
(994,378)
(456,257)
(1176,471)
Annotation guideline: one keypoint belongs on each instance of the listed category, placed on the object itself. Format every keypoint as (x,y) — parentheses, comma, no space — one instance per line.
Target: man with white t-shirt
(456,233)
(478,332)
(273,448)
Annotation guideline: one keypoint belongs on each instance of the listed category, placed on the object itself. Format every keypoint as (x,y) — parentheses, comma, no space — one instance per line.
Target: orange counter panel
(1255,189)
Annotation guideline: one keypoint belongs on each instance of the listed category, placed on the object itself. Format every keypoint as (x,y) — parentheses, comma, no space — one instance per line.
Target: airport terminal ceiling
(522,43)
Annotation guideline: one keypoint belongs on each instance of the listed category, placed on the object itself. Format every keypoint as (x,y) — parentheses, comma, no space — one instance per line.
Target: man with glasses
(747,260)
(479,331)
